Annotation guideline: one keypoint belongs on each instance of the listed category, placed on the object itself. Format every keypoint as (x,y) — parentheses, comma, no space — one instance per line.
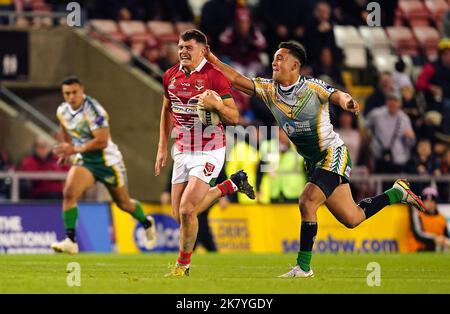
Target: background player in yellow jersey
(85,128)
(301,107)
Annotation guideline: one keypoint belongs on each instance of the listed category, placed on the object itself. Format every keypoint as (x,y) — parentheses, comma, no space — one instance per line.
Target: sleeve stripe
(226,96)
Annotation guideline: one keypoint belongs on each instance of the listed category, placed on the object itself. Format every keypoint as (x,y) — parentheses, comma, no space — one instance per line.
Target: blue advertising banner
(32,228)
(29,229)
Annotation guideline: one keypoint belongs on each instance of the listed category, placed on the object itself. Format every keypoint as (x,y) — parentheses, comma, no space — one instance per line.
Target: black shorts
(326,180)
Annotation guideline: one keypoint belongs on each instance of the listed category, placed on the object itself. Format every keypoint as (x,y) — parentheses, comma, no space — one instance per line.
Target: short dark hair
(194,34)
(71,80)
(296,49)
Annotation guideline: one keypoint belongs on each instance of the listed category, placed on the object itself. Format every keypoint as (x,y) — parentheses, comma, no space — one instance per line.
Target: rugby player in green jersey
(85,129)
(301,107)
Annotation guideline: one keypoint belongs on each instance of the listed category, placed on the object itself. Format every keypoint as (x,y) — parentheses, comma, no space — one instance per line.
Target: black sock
(147,224)
(308,232)
(70,233)
(373,205)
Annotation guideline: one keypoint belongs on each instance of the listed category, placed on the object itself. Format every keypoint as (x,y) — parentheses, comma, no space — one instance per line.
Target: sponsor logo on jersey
(199,85)
(110,180)
(208,169)
(347,171)
(302,126)
(99,121)
(289,129)
(172,83)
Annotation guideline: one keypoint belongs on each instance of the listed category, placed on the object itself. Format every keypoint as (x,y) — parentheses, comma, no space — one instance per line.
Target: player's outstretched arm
(345,101)
(238,80)
(165,126)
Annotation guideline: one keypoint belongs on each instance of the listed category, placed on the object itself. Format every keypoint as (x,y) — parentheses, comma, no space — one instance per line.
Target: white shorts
(205,165)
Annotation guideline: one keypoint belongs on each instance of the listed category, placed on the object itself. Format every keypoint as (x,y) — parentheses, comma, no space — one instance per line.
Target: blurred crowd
(405,125)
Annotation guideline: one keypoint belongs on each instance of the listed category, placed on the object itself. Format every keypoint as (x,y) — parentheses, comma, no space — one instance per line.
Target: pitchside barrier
(31,228)
(271,229)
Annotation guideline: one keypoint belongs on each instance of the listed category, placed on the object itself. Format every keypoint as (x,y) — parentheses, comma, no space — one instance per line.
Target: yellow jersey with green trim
(302,110)
(80,124)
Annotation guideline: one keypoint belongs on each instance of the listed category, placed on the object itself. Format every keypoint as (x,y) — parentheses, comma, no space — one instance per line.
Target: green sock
(395,195)
(139,213)
(70,218)
(304,260)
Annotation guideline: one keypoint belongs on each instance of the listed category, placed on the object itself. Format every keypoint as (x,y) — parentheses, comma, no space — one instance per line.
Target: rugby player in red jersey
(199,151)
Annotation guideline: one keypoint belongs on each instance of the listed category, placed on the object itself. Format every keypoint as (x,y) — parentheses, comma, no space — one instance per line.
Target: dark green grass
(224,273)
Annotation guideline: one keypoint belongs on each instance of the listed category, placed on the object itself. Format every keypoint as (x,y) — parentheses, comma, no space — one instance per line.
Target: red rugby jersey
(182,90)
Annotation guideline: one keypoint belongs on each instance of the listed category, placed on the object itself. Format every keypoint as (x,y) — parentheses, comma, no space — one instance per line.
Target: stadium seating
(376,40)
(108,27)
(350,41)
(437,8)
(163,31)
(414,12)
(402,40)
(182,26)
(135,31)
(428,37)
(117,51)
(40,6)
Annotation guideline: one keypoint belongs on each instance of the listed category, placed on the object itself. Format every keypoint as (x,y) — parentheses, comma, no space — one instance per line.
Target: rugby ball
(209,117)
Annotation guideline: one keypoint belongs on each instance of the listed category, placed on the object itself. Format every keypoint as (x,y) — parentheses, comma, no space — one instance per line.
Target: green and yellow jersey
(80,124)
(302,110)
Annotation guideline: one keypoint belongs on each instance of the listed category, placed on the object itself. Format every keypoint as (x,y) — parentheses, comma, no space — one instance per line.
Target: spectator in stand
(351,12)
(215,18)
(105,9)
(152,52)
(11,5)
(402,84)
(283,20)
(428,230)
(327,66)
(319,34)
(445,25)
(444,167)
(349,133)
(423,162)
(242,43)
(378,97)
(169,57)
(43,159)
(434,81)
(354,12)
(392,135)
(4,184)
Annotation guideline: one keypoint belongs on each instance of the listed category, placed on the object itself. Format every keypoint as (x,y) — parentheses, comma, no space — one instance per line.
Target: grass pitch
(224,273)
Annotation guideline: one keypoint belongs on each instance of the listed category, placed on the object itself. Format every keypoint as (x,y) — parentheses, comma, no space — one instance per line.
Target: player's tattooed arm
(238,80)
(165,127)
(345,101)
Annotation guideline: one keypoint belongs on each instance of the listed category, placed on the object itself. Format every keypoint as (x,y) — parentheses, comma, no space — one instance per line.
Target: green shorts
(334,159)
(114,175)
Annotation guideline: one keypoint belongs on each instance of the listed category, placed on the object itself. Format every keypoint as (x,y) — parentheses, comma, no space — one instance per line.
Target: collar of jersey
(74,113)
(290,87)
(197,69)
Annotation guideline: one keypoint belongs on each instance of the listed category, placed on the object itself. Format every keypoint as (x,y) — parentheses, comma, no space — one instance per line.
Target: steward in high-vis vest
(281,176)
